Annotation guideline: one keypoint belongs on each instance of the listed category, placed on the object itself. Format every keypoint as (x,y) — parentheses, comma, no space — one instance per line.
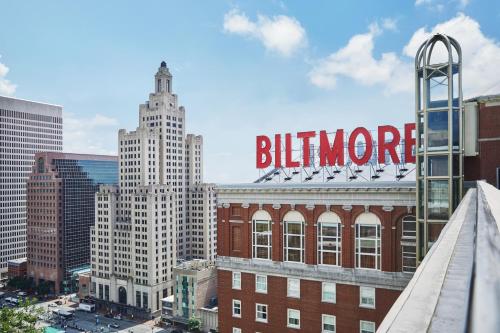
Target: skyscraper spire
(163,79)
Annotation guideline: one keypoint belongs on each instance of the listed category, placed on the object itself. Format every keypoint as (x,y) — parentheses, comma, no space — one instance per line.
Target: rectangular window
(368,245)
(329,292)
(261,284)
(366,326)
(236,330)
(294,241)
(237,280)
(367,297)
(293,288)
(293,318)
(261,313)
(236,308)
(328,323)
(262,239)
(329,244)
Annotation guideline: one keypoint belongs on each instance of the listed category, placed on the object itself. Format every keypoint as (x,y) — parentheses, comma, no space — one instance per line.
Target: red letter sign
(331,155)
(306,150)
(352,145)
(288,153)
(263,150)
(277,151)
(409,143)
(390,146)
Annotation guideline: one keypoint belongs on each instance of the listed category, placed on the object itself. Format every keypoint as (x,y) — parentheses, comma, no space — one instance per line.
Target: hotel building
(60,206)
(25,128)
(329,257)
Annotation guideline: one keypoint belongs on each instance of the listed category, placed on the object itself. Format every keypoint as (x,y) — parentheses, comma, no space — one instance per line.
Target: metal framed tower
(439,136)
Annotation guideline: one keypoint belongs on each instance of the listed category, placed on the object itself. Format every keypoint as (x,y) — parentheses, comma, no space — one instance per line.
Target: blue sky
(241,68)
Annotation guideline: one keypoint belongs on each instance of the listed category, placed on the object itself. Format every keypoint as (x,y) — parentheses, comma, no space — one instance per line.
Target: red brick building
(329,257)
(17,268)
(482,154)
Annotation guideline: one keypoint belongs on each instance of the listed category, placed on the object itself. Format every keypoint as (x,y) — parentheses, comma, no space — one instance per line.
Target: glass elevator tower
(439,136)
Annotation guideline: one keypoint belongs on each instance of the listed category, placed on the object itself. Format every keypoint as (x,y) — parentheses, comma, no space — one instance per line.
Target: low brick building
(17,268)
(329,257)
(482,140)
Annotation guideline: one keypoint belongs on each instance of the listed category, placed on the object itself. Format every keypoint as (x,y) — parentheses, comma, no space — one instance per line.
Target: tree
(194,324)
(20,319)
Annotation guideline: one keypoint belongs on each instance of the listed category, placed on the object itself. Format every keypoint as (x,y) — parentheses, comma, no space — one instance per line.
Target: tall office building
(25,128)
(141,227)
(60,206)
(201,217)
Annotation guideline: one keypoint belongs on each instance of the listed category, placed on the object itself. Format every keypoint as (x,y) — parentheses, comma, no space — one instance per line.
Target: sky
(241,68)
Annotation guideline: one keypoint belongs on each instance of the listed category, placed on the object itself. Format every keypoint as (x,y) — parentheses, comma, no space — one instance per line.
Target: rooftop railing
(456,288)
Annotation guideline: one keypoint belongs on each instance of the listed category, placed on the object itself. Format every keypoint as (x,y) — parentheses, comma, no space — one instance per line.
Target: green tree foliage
(19,283)
(20,319)
(194,324)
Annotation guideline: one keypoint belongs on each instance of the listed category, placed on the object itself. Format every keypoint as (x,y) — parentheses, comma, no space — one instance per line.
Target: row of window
(328,290)
(329,240)
(328,322)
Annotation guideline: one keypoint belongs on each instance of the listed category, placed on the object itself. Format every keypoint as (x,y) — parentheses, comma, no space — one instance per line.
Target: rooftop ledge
(456,288)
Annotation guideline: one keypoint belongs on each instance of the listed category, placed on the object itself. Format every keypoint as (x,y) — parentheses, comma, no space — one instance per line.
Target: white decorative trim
(367,208)
(347,208)
(388,208)
(310,206)
(276,206)
(408,209)
(245,205)
(260,205)
(226,205)
(292,206)
(328,208)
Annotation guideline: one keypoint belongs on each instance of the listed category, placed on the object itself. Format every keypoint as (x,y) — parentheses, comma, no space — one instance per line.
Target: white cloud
(394,71)
(95,135)
(6,87)
(390,24)
(281,34)
(422,2)
(356,61)
(439,5)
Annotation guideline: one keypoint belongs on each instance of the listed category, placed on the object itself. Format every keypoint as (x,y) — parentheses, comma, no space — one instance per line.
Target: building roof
(355,186)
(17,261)
(484,98)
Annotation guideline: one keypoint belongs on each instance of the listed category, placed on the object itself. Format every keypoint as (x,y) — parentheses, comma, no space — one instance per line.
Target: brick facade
(234,248)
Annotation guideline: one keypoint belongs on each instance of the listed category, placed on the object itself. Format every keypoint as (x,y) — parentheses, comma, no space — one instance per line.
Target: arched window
(409,244)
(293,237)
(368,241)
(329,239)
(122,295)
(261,235)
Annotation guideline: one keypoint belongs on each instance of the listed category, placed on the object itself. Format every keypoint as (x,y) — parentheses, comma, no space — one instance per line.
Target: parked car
(114,325)
(52,305)
(118,317)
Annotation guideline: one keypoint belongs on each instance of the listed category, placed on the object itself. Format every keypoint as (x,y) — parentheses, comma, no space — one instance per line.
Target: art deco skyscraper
(141,227)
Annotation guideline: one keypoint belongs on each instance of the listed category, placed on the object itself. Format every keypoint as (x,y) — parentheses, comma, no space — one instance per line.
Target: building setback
(25,128)
(141,228)
(60,206)
(329,257)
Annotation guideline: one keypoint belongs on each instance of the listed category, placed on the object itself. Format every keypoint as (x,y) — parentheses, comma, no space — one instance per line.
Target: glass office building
(61,210)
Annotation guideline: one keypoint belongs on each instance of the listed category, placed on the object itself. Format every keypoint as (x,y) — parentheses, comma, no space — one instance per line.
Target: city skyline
(260,67)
